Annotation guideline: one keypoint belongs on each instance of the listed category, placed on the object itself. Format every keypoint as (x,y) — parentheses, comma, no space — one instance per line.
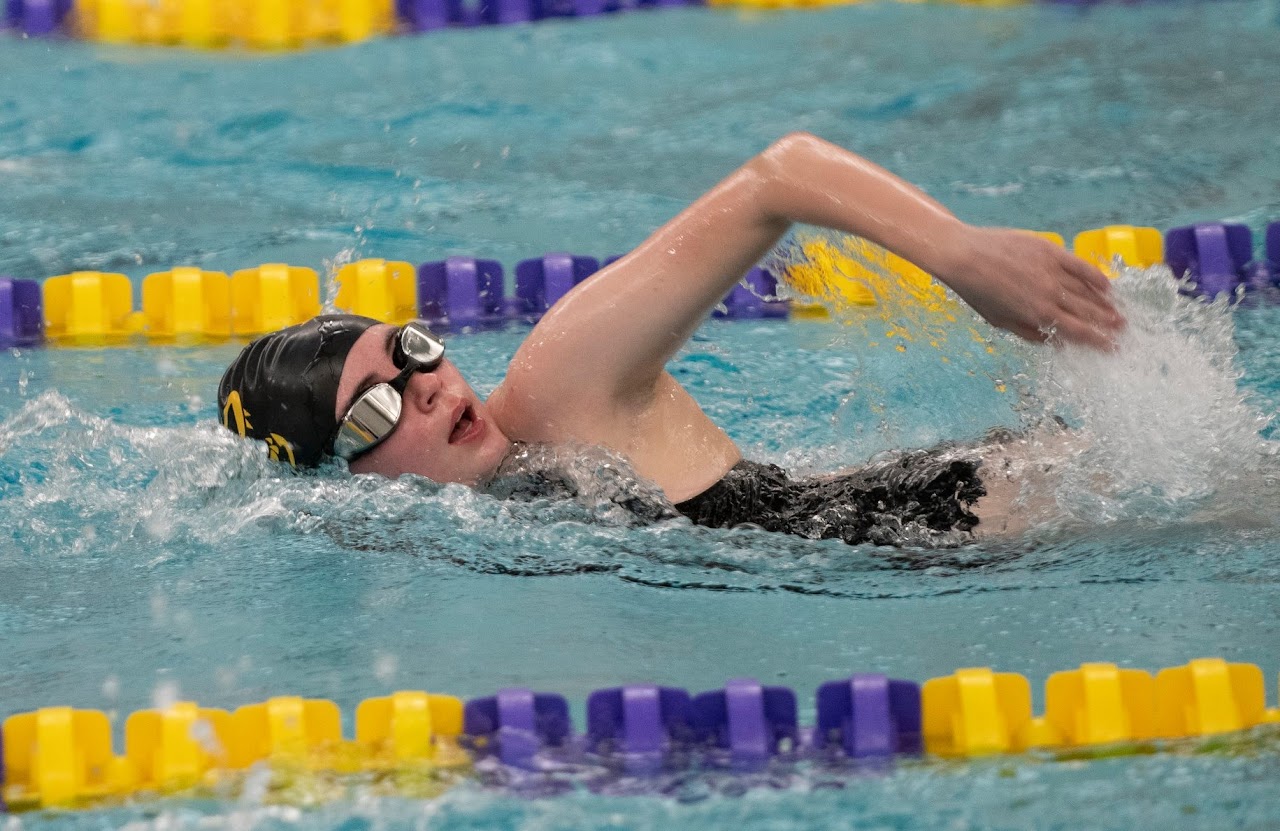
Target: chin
(477,470)
(493,460)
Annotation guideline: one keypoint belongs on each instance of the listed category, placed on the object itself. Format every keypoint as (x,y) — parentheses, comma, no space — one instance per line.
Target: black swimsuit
(921,496)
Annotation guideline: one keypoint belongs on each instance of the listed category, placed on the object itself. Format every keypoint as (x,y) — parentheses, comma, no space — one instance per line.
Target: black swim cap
(283,387)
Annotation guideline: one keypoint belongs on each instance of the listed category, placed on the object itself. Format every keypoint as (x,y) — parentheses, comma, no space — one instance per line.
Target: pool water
(149,555)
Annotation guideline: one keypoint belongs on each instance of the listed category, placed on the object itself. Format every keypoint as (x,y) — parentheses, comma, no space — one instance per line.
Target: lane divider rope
(63,757)
(283,24)
(187,304)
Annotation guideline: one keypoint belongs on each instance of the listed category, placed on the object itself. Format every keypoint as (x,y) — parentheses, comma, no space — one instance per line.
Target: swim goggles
(376,413)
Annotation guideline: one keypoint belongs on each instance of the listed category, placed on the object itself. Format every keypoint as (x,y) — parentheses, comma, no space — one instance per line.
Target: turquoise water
(149,555)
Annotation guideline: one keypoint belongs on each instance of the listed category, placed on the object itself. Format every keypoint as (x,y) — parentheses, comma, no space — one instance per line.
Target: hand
(1033,288)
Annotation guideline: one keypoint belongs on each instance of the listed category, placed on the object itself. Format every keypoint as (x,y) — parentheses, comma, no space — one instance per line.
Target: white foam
(1166,422)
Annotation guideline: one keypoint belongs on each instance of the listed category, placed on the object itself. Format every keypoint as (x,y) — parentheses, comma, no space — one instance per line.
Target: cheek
(365,464)
(416,447)
(394,457)
(405,452)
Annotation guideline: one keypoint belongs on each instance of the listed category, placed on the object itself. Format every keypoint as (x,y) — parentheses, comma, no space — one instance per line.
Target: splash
(329,285)
(1168,428)
(74,483)
(601,481)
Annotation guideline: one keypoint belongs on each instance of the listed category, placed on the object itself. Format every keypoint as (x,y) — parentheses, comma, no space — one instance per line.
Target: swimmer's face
(445,431)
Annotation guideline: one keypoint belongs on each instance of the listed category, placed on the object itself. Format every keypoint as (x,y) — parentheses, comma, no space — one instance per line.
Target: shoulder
(533,409)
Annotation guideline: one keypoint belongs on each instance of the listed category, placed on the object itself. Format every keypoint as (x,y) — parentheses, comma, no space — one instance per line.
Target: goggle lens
(419,344)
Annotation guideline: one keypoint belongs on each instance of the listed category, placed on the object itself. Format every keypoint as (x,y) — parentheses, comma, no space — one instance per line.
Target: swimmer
(592,371)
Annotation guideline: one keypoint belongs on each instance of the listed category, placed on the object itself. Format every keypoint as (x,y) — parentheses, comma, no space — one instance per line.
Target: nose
(422,392)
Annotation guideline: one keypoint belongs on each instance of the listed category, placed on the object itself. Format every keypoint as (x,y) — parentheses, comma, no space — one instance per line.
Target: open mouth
(464,427)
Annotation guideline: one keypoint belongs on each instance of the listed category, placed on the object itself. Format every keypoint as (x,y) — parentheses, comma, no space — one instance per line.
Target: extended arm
(612,335)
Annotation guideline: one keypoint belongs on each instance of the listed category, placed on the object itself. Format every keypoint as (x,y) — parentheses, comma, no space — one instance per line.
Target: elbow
(787,157)
(785,150)
(775,170)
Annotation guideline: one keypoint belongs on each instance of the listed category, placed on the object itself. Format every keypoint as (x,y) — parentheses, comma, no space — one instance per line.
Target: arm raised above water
(610,337)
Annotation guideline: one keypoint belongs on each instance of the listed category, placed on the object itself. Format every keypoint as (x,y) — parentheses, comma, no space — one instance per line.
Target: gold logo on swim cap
(233,407)
(276,443)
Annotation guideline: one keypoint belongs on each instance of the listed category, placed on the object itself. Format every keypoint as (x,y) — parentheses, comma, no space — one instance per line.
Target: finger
(1082,285)
(1082,320)
(1035,334)
(1081,292)
(1085,272)
(1067,328)
(1076,330)
(1098,311)
(1101,311)
(1084,300)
